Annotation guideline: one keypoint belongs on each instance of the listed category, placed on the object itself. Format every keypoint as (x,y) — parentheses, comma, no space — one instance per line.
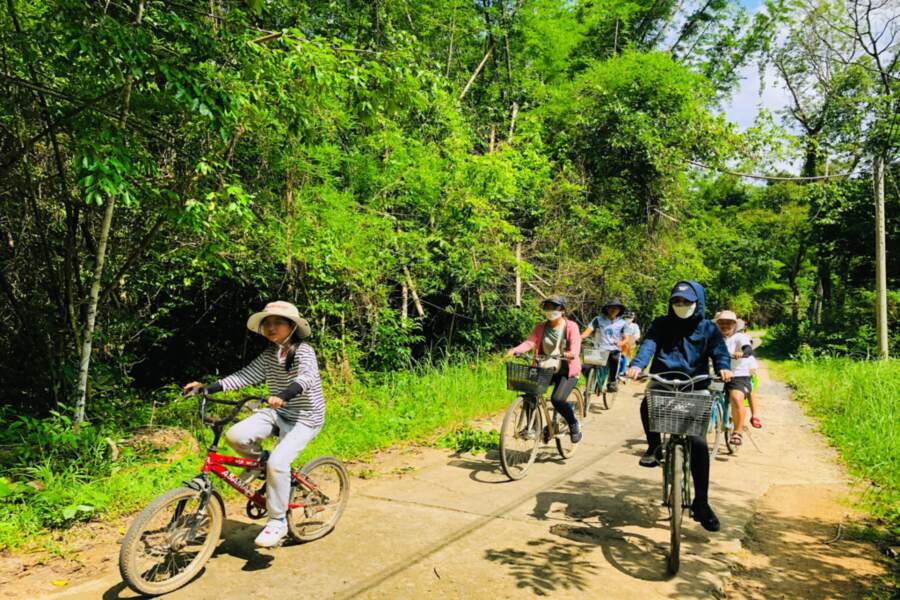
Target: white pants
(245,437)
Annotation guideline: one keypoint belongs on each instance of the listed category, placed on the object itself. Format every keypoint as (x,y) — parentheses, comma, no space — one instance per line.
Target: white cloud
(747,101)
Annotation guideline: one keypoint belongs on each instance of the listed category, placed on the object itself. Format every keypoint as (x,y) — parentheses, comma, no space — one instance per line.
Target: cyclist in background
(684,341)
(740,349)
(560,334)
(753,364)
(607,329)
(632,333)
(751,397)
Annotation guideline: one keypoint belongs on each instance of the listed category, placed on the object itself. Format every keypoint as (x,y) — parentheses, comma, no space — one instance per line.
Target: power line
(769,177)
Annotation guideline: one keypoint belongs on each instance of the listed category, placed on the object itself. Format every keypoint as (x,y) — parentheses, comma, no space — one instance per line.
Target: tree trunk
(881,316)
(93,300)
(289,233)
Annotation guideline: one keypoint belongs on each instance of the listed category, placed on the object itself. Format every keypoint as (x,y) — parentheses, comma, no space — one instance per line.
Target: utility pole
(881,322)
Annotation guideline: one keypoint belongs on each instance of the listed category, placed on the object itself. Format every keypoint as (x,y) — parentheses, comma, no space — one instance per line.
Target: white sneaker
(273,533)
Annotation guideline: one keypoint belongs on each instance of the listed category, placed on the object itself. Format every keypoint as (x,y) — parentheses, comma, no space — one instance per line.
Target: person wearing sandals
(608,331)
(740,349)
(684,341)
(296,410)
(557,340)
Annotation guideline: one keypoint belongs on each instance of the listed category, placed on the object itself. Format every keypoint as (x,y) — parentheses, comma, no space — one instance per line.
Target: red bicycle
(170,541)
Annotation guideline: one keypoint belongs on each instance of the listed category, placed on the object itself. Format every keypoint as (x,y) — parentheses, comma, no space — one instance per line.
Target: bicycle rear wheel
(169,541)
(520,435)
(564,444)
(323,505)
(714,430)
(676,478)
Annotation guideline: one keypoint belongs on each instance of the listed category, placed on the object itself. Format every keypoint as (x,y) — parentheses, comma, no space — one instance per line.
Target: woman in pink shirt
(558,337)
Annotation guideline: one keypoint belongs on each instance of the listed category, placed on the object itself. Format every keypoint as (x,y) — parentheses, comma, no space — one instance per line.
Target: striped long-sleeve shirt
(308,406)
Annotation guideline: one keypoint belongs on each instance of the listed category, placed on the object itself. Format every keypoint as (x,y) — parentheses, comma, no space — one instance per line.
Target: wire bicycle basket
(684,413)
(594,356)
(528,379)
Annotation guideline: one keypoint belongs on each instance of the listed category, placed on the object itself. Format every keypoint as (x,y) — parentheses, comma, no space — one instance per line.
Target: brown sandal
(736,439)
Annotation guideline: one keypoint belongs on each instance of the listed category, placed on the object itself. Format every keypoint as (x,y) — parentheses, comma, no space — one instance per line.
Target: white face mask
(552,315)
(628,320)
(684,311)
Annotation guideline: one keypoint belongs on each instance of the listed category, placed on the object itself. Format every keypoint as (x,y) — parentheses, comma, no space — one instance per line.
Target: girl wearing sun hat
(296,410)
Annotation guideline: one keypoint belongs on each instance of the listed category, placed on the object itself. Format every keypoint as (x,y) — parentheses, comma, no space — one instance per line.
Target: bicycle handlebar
(674,382)
(237,404)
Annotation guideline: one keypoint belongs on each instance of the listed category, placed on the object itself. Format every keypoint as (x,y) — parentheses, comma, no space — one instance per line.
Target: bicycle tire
(564,445)
(609,398)
(301,523)
(515,463)
(676,508)
(602,383)
(589,391)
(714,430)
(134,576)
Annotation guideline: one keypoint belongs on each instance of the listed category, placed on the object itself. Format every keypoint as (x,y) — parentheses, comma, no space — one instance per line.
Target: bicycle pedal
(254,511)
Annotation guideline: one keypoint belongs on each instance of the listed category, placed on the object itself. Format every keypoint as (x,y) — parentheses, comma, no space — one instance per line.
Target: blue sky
(745,103)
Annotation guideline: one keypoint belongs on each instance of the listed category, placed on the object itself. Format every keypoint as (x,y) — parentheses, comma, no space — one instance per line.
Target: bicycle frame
(217,464)
(721,403)
(603,371)
(542,403)
(669,443)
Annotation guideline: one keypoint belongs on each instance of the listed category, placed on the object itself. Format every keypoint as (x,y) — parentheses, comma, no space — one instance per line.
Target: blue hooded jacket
(683,345)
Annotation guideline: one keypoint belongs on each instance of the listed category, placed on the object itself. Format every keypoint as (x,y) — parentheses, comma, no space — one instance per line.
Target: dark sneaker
(703,514)
(613,387)
(650,458)
(575,432)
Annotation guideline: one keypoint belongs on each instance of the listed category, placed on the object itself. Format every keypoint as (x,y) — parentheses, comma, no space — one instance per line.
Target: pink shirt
(573,344)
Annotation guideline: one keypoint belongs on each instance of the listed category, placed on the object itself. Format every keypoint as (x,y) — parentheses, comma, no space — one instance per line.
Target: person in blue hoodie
(684,341)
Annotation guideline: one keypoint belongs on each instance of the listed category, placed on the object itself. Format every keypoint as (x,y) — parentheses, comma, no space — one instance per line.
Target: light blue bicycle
(721,426)
(595,386)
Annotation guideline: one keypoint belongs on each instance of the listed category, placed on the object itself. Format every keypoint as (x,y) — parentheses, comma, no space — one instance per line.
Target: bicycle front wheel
(714,431)
(322,505)
(589,391)
(520,436)
(602,385)
(169,541)
(676,500)
(564,444)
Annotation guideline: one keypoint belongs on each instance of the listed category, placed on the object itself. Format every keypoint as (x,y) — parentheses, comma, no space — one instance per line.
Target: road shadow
(624,518)
(547,566)
(635,446)
(488,469)
(238,537)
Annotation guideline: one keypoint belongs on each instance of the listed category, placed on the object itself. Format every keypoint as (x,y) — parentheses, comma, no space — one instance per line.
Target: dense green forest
(167,167)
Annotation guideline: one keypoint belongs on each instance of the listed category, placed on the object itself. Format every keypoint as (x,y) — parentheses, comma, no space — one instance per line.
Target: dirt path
(434,525)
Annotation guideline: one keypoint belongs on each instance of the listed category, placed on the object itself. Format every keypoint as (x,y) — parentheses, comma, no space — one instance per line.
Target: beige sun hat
(725,315)
(283,309)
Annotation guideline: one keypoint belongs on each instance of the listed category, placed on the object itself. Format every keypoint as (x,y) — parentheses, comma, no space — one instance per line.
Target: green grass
(467,439)
(857,404)
(414,406)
